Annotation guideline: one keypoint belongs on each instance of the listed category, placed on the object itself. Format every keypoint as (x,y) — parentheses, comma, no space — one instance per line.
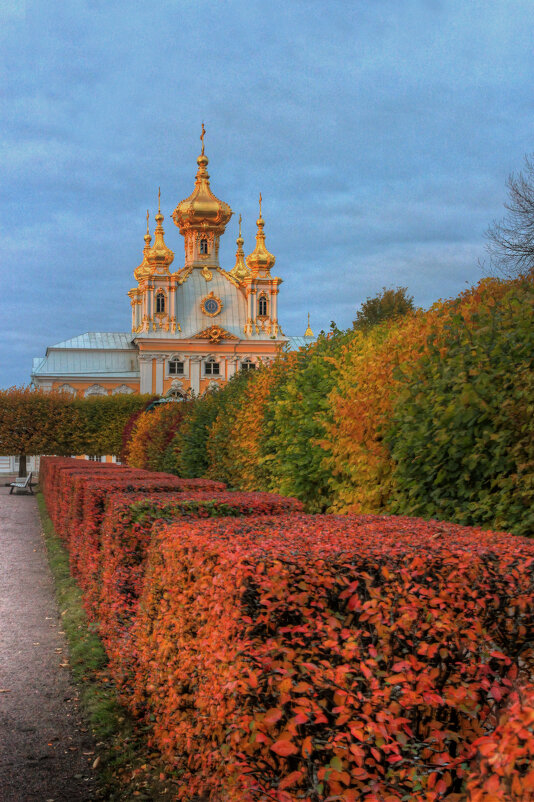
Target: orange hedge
(309,657)
(125,537)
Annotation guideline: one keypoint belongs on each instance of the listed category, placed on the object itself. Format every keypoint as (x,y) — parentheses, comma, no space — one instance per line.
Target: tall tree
(511,241)
(34,422)
(388,304)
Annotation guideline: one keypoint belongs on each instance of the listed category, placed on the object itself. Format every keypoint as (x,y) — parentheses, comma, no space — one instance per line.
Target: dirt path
(42,742)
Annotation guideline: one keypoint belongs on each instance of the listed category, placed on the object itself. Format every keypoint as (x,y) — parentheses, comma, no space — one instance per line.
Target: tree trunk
(22,465)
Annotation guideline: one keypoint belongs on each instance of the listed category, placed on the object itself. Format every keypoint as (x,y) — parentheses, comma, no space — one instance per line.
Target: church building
(193,327)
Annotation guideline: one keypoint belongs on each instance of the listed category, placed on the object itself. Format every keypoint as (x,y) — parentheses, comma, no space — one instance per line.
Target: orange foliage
(368,388)
(244,436)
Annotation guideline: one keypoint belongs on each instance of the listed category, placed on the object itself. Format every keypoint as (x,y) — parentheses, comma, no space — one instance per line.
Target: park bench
(22,485)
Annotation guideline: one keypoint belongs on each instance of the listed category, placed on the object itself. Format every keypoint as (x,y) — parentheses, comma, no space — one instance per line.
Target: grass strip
(128,769)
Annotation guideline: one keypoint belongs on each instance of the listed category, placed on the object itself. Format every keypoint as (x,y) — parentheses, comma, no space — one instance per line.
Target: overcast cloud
(380,134)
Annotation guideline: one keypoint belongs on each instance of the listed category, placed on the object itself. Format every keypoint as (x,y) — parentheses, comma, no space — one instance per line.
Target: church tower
(197,326)
(192,328)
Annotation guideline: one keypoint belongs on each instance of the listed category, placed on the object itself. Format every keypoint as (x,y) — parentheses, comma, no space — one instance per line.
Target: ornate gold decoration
(308,332)
(211,297)
(214,334)
(202,135)
(260,260)
(206,273)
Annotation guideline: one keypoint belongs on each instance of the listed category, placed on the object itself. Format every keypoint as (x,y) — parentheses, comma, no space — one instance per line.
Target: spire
(159,253)
(308,332)
(240,270)
(144,268)
(260,260)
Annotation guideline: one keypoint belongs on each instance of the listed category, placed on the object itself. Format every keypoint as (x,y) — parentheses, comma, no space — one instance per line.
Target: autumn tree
(387,305)
(511,241)
(35,422)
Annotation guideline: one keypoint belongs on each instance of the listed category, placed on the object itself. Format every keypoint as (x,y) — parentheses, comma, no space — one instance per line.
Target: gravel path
(45,748)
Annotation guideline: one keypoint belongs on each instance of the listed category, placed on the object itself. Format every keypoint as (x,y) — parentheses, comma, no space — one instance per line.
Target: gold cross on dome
(202,135)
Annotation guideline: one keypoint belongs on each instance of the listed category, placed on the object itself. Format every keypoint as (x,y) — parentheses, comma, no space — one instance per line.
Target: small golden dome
(308,332)
(160,255)
(260,260)
(144,268)
(202,210)
(239,270)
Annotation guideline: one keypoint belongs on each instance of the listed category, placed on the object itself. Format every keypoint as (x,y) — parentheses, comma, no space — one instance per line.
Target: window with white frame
(211,367)
(176,367)
(203,246)
(95,458)
(248,364)
(160,303)
(262,306)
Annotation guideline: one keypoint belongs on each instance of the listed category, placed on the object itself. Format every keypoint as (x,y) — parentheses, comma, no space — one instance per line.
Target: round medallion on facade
(211,305)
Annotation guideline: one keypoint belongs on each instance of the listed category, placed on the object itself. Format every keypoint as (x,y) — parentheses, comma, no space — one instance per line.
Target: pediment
(214,334)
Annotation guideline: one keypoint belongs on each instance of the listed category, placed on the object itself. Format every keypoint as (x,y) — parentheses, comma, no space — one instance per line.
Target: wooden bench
(22,485)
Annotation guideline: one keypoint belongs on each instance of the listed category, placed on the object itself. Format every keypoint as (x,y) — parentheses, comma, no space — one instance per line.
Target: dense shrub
(311,657)
(298,410)
(463,425)
(152,433)
(504,765)
(125,536)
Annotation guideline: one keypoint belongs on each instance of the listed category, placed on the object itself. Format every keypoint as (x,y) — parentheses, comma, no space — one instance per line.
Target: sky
(380,134)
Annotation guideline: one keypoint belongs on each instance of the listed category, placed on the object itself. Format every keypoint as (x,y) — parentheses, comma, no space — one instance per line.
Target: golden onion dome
(143,270)
(239,270)
(260,260)
(160,255)
(202,209)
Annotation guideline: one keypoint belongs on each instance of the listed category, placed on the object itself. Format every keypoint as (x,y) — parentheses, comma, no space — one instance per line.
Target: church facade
(193,327)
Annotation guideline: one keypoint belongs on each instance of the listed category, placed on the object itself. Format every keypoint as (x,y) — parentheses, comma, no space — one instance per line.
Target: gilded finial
(308,332)
(159,200)
(240,226)
(147,219)
(202,135)
(260,204)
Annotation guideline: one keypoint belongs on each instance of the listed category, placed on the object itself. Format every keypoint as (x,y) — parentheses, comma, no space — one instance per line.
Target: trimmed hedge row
(314,658)
(124,542)
(284,656)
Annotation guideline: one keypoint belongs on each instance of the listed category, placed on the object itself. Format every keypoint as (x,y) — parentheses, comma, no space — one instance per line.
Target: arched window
(160,302)
(212,368)
(262,306)
(247,364)
(203,246)
(176,367)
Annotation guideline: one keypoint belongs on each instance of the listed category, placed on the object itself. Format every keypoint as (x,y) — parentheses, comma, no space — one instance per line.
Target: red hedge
(124,540)
(504,769)
(311,657)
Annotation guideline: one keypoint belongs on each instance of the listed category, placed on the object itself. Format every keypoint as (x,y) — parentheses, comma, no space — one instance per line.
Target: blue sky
(380,135)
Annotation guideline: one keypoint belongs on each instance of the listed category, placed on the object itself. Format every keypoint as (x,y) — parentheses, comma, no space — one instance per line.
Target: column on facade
(274,311)
(194,372)
(231,367)
(145,373)
(172,307)
(160,362)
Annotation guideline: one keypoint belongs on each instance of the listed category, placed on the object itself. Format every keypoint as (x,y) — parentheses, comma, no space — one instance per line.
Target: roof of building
(100,354)
(300,342)
(98,340)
